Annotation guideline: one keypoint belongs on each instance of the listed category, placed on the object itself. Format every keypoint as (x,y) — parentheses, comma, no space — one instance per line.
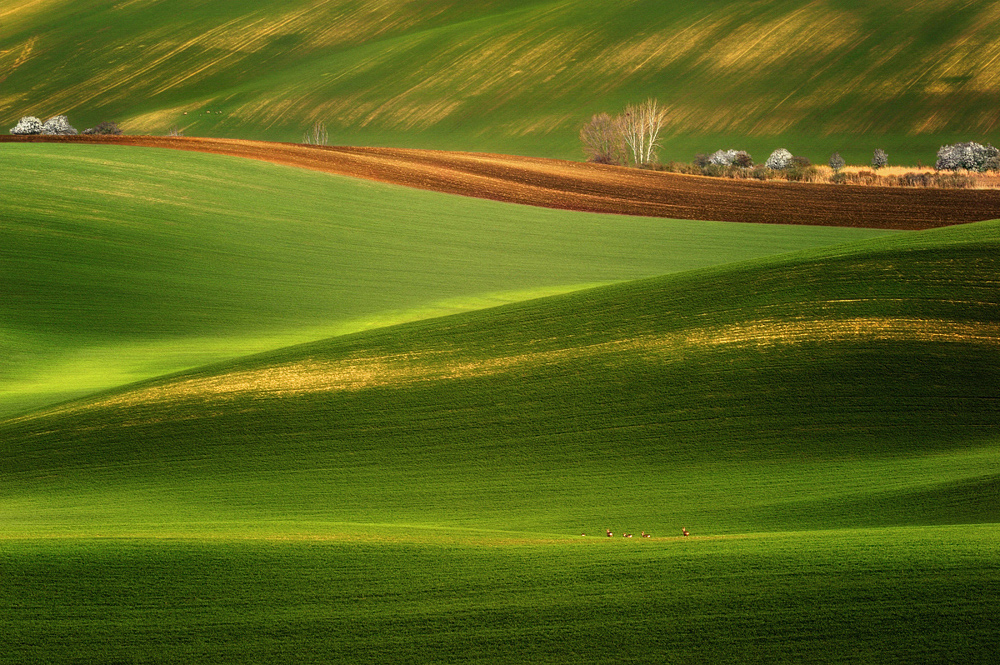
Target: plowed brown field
(609,189)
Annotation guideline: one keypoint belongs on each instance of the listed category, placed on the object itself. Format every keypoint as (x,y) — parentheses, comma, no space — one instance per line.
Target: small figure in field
(645,535)
(626,535)
(609,533)
(684,531)
(583,534)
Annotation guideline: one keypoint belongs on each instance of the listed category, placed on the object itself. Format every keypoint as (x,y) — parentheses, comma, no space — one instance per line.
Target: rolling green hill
(849,387)
(120,263)
(515,75)
(824,423)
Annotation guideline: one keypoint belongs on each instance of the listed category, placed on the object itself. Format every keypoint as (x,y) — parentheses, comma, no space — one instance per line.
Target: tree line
(632,138)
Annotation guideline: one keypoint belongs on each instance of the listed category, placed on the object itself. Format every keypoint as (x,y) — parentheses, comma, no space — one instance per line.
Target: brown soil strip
(608,189)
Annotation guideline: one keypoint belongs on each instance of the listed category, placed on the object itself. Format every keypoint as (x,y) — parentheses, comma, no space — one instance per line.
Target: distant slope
(515,75)
(853,387)
(598,188)
(120,263)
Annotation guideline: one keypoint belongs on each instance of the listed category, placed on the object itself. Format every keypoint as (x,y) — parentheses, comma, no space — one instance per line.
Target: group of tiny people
(684,532)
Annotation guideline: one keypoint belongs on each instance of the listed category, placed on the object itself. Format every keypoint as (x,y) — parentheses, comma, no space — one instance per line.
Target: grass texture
(118,264)
(824,424)
(516,76)
(915,595)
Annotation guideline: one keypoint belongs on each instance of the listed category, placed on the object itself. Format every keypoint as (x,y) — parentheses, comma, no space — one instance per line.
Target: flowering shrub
(837,162)
(58,126)
(779,159)
(740,158)
(29,124)
(879,159)
(722,157)
(969,156)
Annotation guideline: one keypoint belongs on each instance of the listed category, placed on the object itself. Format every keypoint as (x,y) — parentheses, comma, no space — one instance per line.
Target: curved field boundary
(607,189)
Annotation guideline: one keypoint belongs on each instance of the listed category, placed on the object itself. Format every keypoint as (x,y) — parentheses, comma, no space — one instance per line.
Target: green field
(516,76)
(250,413)
(823,422)
(127,264)
(896,595)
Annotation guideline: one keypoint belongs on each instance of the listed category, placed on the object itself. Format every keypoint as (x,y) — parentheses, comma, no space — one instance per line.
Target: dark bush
(701,160)
(743,160)
(800,173)
(602,138)
(679,167)
(953,181)
(865,178)
(916,180)
(107,128)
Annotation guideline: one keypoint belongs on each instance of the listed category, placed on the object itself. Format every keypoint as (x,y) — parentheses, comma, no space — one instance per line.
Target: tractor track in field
(607,189)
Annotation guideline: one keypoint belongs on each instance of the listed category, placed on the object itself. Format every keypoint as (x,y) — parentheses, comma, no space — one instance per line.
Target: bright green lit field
(118,264)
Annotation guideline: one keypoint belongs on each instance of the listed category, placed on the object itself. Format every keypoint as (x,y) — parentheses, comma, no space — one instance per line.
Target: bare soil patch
(598,188)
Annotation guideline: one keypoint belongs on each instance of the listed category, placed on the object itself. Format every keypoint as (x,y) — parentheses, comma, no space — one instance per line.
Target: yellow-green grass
(516,75)
(825,425)
(118,264)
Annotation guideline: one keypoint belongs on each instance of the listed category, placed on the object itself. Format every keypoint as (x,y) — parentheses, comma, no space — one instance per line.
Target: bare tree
(317,135)
(603,141)
(641,125)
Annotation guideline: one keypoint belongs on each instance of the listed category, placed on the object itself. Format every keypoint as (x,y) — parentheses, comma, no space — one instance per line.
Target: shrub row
(59,126)
(940,179)
(783,165)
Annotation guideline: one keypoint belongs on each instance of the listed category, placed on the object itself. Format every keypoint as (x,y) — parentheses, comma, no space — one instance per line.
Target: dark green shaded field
(915,595)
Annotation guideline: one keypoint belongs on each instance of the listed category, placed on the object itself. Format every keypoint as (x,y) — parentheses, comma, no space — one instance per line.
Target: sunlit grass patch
(132,263)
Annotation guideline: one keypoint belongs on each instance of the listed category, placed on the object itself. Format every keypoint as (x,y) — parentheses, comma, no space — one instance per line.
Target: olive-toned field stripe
(312,375)
(595,188)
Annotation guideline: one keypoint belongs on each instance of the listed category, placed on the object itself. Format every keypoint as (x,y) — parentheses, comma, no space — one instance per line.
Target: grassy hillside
(120,263)
(824,424)
(515,75)
(835,389)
